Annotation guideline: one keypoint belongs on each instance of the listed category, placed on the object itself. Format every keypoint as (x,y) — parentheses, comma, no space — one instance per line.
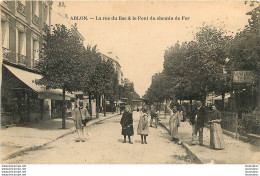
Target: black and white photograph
(130,82)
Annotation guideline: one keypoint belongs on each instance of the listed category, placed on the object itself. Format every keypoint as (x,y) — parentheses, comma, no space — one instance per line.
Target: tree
(60,63)
(245,52)
(91,58)
(101,80)
(196,67)
(128,91)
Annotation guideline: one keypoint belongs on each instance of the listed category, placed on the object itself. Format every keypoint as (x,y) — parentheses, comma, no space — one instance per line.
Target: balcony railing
(35,63)
(21,8)
(6,53)
(21,59)
(35,19)
(46,26)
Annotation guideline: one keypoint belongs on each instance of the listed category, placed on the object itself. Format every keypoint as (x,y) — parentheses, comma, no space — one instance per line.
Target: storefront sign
(243,77)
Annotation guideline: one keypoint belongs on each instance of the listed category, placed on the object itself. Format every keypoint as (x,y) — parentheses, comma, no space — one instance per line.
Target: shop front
(22,100)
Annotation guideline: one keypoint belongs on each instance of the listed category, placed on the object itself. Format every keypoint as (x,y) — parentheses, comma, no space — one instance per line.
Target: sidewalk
(17,140)
(235,152)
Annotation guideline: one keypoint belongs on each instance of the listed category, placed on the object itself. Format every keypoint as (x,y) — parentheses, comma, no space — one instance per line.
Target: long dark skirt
(129,131)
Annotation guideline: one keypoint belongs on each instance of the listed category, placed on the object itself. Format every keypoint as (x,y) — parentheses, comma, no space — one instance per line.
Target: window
(21,48)
(5,38)
(46,16)
(21,7)
(35,12)
(35,52)
(35,8)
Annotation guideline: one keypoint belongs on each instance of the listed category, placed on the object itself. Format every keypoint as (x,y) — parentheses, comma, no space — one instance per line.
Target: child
(143,127)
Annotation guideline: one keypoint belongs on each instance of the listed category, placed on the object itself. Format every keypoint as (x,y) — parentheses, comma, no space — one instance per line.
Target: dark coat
(201,117)
(127,124)
(216,114)
(193,114)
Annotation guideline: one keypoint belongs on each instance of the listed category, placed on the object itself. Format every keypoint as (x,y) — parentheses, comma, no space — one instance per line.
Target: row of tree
(66,64)
(204,65)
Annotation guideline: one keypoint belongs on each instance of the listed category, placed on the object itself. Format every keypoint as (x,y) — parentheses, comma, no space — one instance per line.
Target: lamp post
(232,93)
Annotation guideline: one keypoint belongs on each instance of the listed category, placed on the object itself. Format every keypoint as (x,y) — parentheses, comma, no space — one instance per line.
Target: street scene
(106,147)
(133,83)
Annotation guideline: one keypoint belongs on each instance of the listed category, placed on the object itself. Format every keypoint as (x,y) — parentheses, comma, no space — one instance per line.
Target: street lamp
(232,93)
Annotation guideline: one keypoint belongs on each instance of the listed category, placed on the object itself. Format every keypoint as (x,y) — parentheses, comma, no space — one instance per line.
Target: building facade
(22,29)
(115,60)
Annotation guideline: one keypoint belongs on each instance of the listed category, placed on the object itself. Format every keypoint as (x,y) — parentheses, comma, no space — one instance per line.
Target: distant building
(115,60)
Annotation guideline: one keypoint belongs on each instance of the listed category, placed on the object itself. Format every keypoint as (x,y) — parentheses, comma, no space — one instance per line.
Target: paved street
(104,146)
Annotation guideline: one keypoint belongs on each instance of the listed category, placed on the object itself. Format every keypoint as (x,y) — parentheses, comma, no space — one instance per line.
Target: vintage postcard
(120,82)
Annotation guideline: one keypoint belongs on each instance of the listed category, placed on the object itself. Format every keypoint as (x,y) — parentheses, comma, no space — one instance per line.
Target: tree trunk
(180,101)
(203,98)
(28,107)
(105,106)
(190,107)
(165,109)
(90,105)
(97,106)
(223,100)
(63,109)
(160,107)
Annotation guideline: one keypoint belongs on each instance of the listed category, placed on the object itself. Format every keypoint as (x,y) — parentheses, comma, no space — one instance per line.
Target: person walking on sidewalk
(200,122)
(143,125)
(216,135)
(193,123)
(77,116)
(127,124)
(173,122)
(86,119)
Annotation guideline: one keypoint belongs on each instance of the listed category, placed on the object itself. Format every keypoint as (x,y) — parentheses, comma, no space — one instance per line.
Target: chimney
(62,9)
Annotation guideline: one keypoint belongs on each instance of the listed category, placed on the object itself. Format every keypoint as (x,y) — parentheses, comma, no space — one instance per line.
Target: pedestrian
(193,123)
(201,115)
(154,116)
(143,125)
(127,124)
(184,112)
(216,135)
(179,113)
(173,122)
(85,120)
(77,116)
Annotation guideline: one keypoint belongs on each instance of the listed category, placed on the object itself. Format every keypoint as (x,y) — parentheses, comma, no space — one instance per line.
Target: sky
(140,44)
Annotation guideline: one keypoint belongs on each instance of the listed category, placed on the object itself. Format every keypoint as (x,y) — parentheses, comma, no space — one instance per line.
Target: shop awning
(29,79)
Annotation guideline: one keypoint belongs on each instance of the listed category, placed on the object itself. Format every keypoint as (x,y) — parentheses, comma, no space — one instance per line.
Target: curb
(185,146)
(38,147)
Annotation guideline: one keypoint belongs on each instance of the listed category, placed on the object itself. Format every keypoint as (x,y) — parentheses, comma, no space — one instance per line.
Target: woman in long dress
(216,135)
(127,124)
(173,122)
(143,126)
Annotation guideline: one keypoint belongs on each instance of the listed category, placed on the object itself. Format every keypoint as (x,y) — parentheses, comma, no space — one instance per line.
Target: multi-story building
(115,60)
(22,29)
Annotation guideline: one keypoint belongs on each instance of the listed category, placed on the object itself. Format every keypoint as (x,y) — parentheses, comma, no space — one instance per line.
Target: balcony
(46,26)
(21,59)
(35,63)
(35,19)
(21,8)
(6,53)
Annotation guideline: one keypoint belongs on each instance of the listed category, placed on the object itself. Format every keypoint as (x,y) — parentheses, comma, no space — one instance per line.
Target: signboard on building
(243,77)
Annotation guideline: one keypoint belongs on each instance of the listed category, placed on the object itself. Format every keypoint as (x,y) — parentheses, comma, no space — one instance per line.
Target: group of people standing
(127,124)
(198,119)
